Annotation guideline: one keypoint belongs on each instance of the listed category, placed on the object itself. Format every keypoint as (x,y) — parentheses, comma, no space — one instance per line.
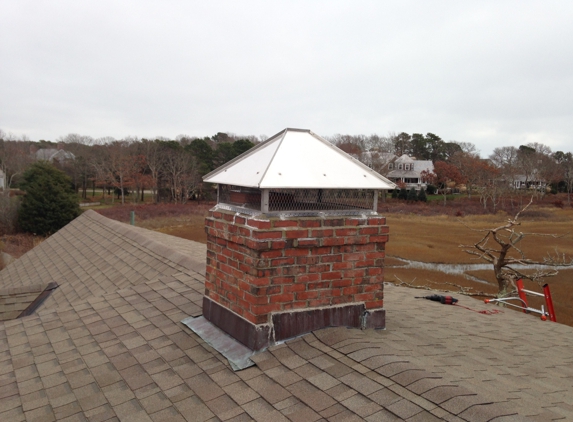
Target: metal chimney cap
(297,158)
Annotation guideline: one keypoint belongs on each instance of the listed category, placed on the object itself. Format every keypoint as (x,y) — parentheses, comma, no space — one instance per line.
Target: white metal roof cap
(297,158)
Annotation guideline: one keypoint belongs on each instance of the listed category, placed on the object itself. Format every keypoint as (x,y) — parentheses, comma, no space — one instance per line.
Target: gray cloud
(491,73)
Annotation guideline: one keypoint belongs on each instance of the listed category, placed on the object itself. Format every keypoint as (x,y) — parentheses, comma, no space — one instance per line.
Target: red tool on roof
(445,300)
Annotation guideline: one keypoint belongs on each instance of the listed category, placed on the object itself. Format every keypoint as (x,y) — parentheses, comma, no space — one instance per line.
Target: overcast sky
(493,73)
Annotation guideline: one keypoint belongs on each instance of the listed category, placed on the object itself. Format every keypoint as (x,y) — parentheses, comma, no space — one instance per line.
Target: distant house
(50,154)
(2,180)
(408,171)
(522,182)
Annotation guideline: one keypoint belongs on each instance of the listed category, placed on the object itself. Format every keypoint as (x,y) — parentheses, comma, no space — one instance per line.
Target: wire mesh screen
(320,199)
(240,196)
(299,200)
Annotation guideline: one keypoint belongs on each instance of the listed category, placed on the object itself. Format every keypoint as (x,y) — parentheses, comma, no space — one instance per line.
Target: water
(461,269)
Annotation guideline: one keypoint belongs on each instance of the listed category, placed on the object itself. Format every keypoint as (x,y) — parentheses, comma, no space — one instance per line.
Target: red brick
(318,268)
(284,223)
(346,232)
(341,299)
(240,220)
(374,304)
(345,282)
(368,247)
(342,266)
(282,280)
(329,293)
(331,258)
(322,233)
(352,290)
(318,285)
(369,230)
(278,244)
(272,254)
(355,222)
(356,240)
(307,260)
(265,309)
(330,222)
(259,224)
(295,305)
(309,223)
(282,261)
(384,229)
(332,241)
(267,234)
(363,297)
(306,295)
(374,271)
(333,275)
(243,231)
(255,300)
(282,298)
(252,318)
(293,234)
(271,290)
(357,256)
(258,281)
(294,270)
(318,302)
(307,243)
(307,278)
(291,288)
(376,221)
(365,263)
(296,252)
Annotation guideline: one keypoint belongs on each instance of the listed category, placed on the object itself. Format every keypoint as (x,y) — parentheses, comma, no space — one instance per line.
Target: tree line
(170,169)
(494,178)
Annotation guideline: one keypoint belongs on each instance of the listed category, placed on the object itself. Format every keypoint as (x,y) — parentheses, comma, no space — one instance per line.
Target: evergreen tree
(403,194)
(50,201)
(422,196)
(394,193)
(412,195)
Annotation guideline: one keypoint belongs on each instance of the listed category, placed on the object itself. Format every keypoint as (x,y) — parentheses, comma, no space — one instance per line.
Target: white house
(2,180)
(408,171)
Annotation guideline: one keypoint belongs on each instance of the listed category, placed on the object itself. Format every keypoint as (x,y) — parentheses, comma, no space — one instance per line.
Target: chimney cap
(297,158)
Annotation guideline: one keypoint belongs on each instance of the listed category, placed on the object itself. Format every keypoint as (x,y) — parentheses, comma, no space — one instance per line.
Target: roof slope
(94,255)
(297,158)
(125,355)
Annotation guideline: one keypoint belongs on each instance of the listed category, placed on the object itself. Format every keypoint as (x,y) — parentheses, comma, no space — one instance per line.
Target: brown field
(437,239)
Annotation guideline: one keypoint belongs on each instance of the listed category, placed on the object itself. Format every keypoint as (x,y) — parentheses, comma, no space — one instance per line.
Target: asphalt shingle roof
(123,354)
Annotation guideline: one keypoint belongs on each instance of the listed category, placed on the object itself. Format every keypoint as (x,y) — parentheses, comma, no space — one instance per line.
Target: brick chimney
(270,279)
(294,249)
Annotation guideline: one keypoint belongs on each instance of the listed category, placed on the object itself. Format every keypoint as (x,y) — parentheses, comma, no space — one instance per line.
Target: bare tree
(565,163)
(152,152)
(180,172)
(501,247)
